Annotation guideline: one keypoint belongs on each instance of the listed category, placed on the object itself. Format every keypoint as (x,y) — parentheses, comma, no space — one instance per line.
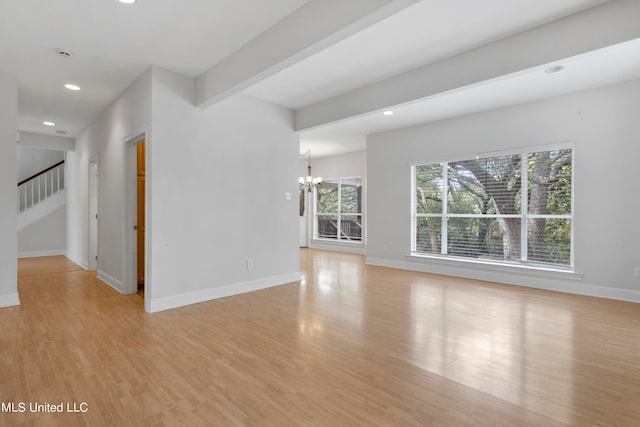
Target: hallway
(349,345)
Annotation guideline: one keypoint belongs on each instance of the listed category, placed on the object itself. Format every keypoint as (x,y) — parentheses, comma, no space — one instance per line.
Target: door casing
(93,215)
(130,250)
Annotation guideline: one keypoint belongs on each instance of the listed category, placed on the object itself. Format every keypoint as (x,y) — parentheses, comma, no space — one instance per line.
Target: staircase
(40,194)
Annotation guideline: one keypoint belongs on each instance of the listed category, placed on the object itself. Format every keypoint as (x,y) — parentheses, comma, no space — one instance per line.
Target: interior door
(140,211)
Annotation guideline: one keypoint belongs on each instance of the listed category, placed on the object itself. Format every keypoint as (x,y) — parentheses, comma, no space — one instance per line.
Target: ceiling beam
(306,31)
(52,142)
(596,28)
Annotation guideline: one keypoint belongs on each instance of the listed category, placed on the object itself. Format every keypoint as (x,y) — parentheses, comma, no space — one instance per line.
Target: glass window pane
(466,195)
(429,185)
(485,186)
(428,234)
(549,241)
(328,197)
(493,186)
(351,195)
(484,238)
(327,226)
(339,209)
(351,227)
(550,182)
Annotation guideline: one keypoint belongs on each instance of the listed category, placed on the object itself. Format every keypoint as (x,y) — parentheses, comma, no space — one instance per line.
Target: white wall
(242,152)
(32,160)
(8,171)
(333,167)
(103,141)
(45,237)
(603,125)
(218,183)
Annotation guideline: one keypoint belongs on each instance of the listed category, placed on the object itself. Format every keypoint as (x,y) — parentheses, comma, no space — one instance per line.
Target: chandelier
(309,183)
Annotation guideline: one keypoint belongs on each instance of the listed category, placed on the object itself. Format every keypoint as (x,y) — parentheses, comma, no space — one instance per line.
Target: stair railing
(40,186)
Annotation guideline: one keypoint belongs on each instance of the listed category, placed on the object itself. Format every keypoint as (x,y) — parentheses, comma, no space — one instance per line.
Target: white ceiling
(617,63)
(114,43)
(429,31)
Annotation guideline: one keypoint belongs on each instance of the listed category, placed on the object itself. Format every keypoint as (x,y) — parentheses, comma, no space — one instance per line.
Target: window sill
(337,245)
(502,267)
(338,242)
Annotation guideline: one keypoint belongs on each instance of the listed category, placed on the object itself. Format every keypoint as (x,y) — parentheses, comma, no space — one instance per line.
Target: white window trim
(532,270)
(327,240)
(523,264)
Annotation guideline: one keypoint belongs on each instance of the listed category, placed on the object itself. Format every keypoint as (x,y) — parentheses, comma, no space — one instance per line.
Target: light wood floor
(352,345)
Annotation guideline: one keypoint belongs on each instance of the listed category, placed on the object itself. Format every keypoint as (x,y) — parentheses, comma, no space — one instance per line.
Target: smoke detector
(64,52)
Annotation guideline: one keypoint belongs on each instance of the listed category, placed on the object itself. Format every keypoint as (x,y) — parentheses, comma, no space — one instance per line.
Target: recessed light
(127,1)
(48,123)
(388,113)
(72,86)
(554,69)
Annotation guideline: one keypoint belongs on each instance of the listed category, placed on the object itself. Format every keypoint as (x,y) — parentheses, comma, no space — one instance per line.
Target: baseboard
(166,303)
(529,280)
(35,254)
(82,263)
(111,281)
(9,300)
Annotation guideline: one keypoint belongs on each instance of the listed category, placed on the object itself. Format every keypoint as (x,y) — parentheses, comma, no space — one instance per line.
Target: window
(339,210)
(505,208)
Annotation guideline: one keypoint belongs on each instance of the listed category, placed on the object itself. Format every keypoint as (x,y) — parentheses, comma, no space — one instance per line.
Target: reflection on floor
(349,345)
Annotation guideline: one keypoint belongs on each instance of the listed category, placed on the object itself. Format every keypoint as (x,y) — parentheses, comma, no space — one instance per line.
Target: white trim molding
(129,284)
(159,304)
(9,300)
(559,281)
(36,254)
(111,281)
(82,263)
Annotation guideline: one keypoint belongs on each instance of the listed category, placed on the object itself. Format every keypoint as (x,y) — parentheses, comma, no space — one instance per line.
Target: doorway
(136,269)
(140,213)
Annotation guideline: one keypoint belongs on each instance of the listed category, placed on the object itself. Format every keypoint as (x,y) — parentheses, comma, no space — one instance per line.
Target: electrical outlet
(250,264)
(636,272)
